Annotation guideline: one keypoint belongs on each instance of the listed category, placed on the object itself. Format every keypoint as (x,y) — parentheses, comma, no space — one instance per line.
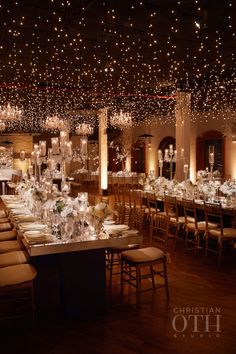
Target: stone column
(183,132)
(103,151)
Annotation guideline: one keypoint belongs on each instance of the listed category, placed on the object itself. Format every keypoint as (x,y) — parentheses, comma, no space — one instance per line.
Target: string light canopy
(121,120)
(125,54)
(84,129)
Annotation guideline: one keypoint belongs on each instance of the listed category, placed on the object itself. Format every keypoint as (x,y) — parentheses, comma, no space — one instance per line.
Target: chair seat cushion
(17,274)
(147,254)
(8,246)
(3,214)
(228,232)
(201,225)
(13,258)
(123,248)
(180,220)
(4,220)
(5,226)
(11,185)
(8,235)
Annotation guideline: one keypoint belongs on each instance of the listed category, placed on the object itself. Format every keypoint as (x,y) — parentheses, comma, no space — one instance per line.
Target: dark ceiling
(62,56)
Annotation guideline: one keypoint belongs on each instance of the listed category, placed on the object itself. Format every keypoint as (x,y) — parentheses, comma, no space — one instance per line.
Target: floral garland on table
(100,211)
(228,187)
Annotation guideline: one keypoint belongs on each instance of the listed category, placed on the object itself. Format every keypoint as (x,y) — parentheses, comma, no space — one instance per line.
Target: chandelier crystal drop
(54,123)
(10,113)
(2,126)
(121,120)
(84,129)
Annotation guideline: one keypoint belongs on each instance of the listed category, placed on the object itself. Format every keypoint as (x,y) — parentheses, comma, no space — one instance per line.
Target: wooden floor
(151,330)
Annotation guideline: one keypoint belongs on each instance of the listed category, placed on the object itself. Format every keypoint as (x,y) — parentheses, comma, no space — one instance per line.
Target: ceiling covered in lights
(63,56)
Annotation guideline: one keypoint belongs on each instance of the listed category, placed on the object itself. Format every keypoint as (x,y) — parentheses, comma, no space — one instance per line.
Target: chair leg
(206,246)
(152,275)
(220,254)
(121,277)
(138,285)
(111,268)
(166,279)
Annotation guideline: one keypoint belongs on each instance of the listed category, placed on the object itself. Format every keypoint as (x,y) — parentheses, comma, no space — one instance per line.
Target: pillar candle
(22,154)
(55,146)
(69,148)
(185,168)
(160,163)
(83,146)
(42,147)
(159,155)
(171,148)
(211,158)
(30,170)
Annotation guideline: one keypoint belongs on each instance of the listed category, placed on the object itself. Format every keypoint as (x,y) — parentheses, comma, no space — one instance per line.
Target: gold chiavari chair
(133,262)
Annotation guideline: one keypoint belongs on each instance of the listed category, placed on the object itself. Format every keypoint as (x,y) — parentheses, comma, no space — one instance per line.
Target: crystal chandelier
(84,129)
(10,113)
(121,120)
(2,126)
(54,123)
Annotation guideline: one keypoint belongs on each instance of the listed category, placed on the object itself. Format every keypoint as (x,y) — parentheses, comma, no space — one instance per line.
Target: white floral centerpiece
(98,214)
(228,187)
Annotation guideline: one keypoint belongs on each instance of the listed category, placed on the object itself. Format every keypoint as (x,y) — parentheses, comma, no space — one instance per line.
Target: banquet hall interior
(117,176)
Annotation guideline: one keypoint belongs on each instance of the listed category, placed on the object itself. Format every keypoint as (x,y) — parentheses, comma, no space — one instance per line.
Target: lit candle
(22,154)
(69,148)
(83,146)
(182,152)
(55,146)
(30,170)
(36,147)
(160,163)
(185,169)
(33,156)
(63,138)
(50,164)
(171,148)
(160,155)
(42,148)
(211,158)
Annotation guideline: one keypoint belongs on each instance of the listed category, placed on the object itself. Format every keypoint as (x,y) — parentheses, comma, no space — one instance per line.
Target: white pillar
(103,152)
(183,132)
(193,162)
(126,140)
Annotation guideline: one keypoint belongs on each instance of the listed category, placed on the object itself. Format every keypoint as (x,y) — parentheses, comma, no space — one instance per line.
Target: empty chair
(176,221)
(194,226)
(16,292)
(5,226)
(133,262)
(8,235)
(134,219)
(13,258)
(11,186)
(216,238)
(9,246)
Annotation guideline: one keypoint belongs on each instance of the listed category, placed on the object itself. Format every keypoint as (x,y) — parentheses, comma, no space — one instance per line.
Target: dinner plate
(33,232)
(109,222)
(115,228)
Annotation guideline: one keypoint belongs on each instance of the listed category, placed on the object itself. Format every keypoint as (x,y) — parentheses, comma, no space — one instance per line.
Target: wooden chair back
(159,231)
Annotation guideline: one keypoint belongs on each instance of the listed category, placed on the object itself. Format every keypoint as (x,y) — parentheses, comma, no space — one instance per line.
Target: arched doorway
(215,139)
(165,144)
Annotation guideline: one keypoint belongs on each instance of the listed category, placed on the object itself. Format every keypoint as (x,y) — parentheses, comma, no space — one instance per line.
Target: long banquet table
(72,274)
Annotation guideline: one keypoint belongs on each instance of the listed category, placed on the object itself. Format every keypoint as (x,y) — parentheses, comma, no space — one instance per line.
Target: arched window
(164,144)
(210,138)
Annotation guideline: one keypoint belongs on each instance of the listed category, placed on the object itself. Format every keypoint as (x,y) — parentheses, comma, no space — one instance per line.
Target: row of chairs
(207,228)
(16,275)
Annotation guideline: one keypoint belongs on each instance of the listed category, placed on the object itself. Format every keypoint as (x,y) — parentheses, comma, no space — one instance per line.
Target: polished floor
(199,293)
